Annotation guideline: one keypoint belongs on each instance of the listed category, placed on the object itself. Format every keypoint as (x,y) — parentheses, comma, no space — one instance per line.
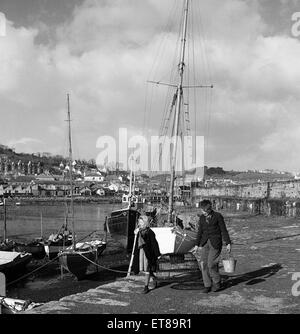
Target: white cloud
(25,144)
(22,141)
(103,55)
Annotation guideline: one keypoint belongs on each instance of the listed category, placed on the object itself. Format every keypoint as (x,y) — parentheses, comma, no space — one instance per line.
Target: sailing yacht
(172,238)
(78,257)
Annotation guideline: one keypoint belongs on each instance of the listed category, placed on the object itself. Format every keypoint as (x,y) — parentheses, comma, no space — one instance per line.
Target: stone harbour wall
(271,198)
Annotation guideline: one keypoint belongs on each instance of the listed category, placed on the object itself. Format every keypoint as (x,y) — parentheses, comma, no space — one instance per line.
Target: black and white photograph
(149,160)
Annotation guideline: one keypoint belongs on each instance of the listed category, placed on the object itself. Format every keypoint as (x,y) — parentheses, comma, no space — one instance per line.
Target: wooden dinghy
(79,260)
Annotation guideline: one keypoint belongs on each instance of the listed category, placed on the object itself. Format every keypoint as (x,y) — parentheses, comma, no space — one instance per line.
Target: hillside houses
(92,183)
(99,192)
(93,177)
(15,190)
(45,177)
(85,191)
(47,185)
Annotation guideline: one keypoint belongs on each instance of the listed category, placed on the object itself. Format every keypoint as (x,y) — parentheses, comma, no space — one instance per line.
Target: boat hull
(7,246)
(77,262)
(37,251)
(121,225)
(174,240)
(171,240)
(13,265)
(52,249)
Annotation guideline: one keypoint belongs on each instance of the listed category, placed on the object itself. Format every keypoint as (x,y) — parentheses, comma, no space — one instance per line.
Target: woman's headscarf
(144,222)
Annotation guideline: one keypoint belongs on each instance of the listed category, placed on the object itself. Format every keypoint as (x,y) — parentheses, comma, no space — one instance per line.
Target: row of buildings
(92,184)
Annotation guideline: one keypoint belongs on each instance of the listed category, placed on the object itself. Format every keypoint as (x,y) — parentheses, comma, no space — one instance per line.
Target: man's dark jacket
(214,229)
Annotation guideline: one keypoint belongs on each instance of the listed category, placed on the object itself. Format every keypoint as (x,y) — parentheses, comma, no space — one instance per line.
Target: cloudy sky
(102,53)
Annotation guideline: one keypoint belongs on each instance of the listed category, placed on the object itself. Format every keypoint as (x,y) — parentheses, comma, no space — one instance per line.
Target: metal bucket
(229,265)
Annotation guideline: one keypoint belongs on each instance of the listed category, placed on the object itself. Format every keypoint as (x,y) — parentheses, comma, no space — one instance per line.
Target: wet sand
(48,284)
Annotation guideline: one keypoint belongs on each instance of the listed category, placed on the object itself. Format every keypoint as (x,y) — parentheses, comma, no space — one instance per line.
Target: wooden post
(132,255)
(41,214)
(61,272)
(106,229)
(2,288)
(97,268)
(4,228)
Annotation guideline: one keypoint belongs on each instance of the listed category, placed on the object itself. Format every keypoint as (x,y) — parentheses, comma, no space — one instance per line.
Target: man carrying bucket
(211,232)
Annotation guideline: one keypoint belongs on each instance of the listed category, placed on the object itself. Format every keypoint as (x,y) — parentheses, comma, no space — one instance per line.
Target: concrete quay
(266,281)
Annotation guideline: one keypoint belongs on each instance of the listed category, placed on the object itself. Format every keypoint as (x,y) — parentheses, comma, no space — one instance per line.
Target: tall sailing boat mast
(70,172)
(4,218)
(179,98)
(179,94)
(130,183)
(171,240)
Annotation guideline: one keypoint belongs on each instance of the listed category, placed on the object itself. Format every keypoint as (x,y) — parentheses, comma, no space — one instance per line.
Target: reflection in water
(25,221)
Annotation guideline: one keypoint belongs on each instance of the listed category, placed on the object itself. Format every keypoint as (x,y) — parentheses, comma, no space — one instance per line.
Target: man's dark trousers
(209,264)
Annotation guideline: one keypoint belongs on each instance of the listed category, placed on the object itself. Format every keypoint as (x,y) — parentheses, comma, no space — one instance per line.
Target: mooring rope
(103,267)
(44,265)
(180,244)
(35,270)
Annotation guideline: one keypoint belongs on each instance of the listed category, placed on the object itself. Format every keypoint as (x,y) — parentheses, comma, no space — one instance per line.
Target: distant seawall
(271,198)
(55,200)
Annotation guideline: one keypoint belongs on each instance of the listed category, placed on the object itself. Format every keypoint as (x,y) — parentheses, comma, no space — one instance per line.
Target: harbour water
(30,220)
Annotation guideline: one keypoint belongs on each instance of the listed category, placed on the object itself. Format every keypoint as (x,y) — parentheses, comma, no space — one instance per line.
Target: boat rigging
(172,238)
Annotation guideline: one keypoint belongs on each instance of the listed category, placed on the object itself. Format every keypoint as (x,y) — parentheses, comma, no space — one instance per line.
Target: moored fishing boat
(175,240)
(13,264)
(85,254)
(78,257)
(137,200)
(7,245)
(35,247)
(121,225)
(56,243)
(132,199)
(122,222)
